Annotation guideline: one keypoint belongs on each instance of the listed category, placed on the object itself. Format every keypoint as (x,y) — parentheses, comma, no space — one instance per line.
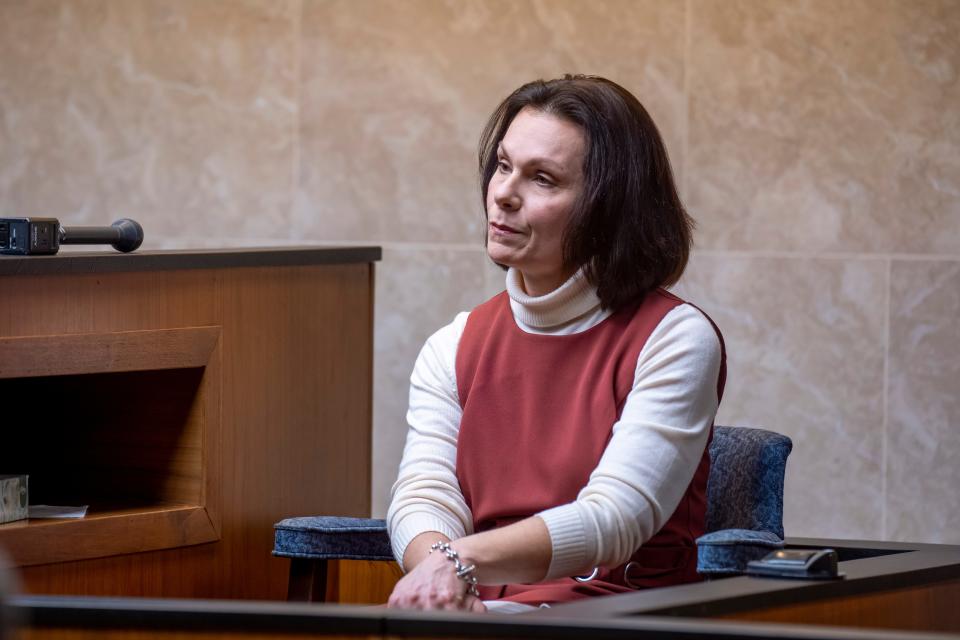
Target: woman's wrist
(419,549)
(466,573)
(519,552)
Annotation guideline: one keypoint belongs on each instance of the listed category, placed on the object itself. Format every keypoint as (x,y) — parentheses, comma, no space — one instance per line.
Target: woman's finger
(475,605)
(448,600)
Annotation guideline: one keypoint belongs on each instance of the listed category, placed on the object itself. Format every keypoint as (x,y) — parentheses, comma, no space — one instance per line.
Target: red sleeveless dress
(538,412)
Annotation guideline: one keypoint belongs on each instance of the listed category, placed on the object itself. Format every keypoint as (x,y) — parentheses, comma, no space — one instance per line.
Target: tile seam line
(837,255)
(328,244)
(885,419)
(429,246)
(462,246)
(685,180)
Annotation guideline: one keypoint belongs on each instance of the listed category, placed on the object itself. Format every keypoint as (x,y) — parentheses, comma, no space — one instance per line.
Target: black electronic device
(809,564)
(43,236)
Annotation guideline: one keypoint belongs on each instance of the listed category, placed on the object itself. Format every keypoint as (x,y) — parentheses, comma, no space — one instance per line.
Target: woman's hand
(519,552)
(433,584)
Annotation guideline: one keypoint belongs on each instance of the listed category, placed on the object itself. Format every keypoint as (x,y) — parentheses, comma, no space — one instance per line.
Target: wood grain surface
(106,532)
(361,581)
(934,607)
(61,355)
(275,423)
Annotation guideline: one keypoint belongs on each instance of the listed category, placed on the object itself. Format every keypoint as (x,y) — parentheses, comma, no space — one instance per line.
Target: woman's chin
(499,256)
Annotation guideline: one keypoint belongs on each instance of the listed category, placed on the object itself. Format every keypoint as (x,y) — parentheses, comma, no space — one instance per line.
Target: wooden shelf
(84,353)
(106,533)
(129,418)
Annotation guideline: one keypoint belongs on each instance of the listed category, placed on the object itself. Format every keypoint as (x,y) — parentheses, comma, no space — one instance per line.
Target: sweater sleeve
(653,452)
(426,495)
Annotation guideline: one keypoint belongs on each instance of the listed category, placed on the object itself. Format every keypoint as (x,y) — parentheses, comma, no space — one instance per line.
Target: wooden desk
(887,585)
(720,609)
(192,399)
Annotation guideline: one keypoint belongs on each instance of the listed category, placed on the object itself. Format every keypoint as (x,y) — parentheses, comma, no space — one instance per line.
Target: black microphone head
(130,235)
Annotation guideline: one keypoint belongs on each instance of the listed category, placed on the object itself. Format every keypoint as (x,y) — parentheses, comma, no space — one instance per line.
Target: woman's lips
(502,229)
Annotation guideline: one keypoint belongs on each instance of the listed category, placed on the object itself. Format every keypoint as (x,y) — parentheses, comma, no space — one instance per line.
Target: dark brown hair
(628,228)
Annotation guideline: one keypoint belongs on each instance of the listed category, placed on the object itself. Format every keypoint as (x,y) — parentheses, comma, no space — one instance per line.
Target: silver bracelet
(465,573)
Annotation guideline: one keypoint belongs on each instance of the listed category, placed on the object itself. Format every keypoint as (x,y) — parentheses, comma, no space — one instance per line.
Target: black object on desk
(808,564)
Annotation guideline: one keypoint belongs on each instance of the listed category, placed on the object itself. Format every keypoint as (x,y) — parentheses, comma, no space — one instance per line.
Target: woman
(558,431)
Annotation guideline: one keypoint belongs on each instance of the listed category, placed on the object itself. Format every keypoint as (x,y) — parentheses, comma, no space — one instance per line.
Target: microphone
(43,236)
(125,235)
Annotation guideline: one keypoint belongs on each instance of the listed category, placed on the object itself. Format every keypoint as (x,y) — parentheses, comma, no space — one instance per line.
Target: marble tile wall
(804,340)
(923,429)
(181,114)
(394,96)
(822,165)
(824,126)
(817,144)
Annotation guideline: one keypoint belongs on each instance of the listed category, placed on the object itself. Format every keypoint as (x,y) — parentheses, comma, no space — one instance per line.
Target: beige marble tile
(923,477)
(805,358)
(825,126)
(395,94)
(418,292)
(180,114)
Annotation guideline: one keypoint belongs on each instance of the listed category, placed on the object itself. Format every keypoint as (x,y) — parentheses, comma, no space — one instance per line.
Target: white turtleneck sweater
(653,452)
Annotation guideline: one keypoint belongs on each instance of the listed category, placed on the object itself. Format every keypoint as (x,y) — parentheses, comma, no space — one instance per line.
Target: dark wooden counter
(73,261)
(886,585)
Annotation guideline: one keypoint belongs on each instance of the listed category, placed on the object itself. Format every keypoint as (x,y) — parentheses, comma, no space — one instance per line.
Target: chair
(744,517)
(744,499)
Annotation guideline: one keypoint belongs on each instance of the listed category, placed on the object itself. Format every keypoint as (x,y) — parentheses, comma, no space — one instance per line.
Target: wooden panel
(295,365)
(181,479)
(362,581)
(106,533)
(928,608)
(59,355)
(298,405)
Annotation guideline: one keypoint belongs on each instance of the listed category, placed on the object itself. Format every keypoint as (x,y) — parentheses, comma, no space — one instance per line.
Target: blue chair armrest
(727,552)
(332,538)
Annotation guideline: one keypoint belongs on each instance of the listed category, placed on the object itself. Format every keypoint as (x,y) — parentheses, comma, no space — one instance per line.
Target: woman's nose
(505,194)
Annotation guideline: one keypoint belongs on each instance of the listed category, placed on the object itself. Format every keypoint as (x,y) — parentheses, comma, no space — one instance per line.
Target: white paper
(506,606)
(48,511)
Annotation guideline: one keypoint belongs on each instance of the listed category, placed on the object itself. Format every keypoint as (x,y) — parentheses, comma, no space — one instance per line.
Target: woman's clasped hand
(433,584)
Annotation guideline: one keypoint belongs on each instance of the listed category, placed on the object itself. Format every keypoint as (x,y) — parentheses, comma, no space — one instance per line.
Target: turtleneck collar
(569,301)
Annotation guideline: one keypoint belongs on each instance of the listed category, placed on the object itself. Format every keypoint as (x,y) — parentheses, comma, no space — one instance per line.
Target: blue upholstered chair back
(745,487)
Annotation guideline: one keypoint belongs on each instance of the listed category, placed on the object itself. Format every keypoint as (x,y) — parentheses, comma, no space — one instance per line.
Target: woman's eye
(503,167)
(543,180)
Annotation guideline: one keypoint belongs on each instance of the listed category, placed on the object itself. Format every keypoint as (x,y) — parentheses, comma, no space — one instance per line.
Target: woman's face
(531,195)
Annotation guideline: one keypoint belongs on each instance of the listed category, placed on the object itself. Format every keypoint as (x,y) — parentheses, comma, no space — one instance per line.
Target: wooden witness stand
(192,399)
